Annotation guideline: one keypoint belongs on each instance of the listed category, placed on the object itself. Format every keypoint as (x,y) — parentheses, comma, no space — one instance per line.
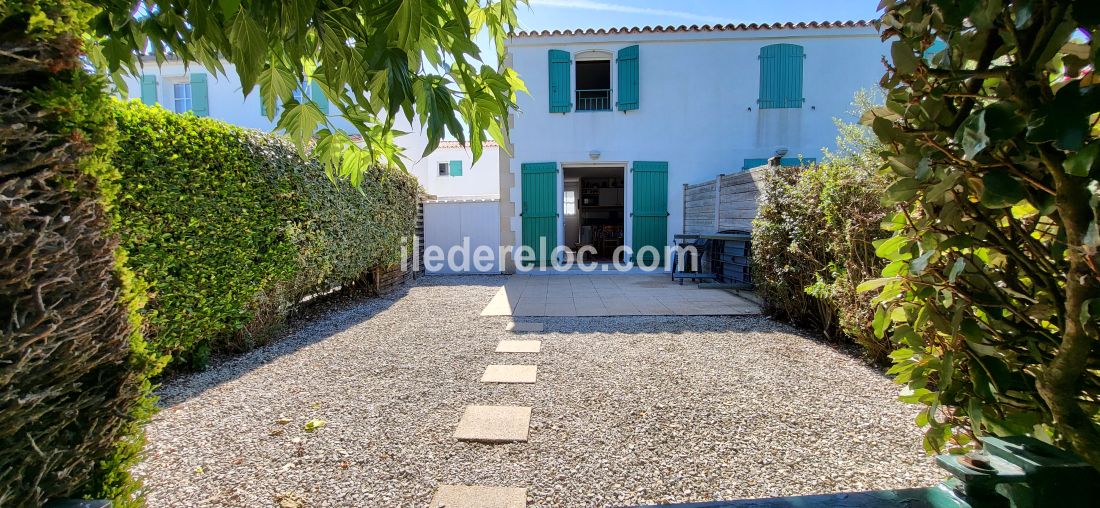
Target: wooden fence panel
(725,203)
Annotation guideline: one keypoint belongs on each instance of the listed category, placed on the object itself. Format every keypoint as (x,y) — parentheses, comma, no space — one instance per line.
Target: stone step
(494,424)
(476,496)
(519,346)
(509,374)
(519,326)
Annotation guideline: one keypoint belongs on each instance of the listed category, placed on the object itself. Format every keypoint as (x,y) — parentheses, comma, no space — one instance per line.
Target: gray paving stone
(524,327)
(475,496)
(494,424)
(509,374)
(519,346)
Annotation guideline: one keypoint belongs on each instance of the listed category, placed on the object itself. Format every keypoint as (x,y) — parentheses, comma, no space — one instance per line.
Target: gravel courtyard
(626,410)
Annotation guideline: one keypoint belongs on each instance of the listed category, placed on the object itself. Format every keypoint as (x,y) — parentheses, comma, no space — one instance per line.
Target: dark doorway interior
(594,211)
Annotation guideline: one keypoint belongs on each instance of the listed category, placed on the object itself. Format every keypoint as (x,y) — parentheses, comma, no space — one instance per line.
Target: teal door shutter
(148,89)
(628,78)
(539,209)
(561,83)
(456,168)
(318,98)
(650,210)
(781,76)
(200,103)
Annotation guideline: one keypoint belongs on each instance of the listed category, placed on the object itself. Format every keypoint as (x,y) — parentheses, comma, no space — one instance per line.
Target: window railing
(594,100)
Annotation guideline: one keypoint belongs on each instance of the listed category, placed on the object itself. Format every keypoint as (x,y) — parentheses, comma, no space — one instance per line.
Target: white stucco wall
(698,105)
(480,179)
(229,105)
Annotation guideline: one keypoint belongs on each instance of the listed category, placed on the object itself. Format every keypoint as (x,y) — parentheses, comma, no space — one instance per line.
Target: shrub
(230,228)
(73,367)
(992,292)
(812,240)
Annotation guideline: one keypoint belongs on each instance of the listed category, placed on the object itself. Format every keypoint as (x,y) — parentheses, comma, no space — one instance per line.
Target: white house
(617,121)
(447,172)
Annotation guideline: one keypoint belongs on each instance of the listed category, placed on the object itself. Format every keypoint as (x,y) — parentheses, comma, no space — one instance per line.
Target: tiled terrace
(612,295)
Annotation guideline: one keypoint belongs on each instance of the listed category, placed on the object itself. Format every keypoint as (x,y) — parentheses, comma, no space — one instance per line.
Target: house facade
(448,172)
(618,121)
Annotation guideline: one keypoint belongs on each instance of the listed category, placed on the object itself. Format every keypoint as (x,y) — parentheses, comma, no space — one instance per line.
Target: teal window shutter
(628,78)
(200,104)
(148,89)
(753,163)
(456,168)
(781,76)
(560,81)
(785,162)
(318,97)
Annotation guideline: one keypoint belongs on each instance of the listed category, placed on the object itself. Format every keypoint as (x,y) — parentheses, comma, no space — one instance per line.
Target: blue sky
(560,14)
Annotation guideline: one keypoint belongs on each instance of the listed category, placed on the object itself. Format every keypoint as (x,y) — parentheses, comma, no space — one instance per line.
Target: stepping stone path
(509,374)
(495,424)
(524,327)
(470,496)
(519,346)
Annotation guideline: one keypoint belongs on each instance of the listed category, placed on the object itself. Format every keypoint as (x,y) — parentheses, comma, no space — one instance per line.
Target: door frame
(628,197)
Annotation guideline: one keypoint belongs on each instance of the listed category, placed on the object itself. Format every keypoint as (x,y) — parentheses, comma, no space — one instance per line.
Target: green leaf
(300,121)
(894,248)
(277,85)
(313,425)
(1065,120)
(903,189)
(904,59)
(870,285)
(956,269)
(880,322)
(249,45)
(1081,163)
(1001,190)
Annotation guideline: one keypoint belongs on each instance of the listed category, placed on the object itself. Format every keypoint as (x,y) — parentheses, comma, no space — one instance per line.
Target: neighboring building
(617,121)
(182,89)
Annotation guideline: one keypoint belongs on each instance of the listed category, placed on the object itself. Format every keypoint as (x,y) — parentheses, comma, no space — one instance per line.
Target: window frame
(177,100)
(594,55)
(443,168)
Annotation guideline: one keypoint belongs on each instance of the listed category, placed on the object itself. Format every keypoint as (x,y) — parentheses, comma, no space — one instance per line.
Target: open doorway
(593,202)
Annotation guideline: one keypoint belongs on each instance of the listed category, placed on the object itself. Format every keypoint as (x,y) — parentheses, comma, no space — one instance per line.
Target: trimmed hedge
(231,228)
(812,240)
(74,387)
(812,247)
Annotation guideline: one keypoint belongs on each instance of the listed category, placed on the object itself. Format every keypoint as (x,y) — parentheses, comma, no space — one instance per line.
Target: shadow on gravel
(315,323)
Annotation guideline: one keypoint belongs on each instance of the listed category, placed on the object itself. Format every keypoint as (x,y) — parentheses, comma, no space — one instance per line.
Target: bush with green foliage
(812,239)
(992,291)
(74,387)
(231,228)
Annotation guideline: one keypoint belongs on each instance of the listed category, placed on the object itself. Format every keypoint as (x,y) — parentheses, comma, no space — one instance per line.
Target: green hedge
(812,240)
(74,387)
(812,247)
(230,228)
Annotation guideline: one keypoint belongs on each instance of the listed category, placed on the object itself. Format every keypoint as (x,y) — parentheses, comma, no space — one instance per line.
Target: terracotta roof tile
(698,28)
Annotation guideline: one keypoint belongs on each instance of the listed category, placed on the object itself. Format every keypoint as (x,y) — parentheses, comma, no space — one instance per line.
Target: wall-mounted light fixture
(594,154)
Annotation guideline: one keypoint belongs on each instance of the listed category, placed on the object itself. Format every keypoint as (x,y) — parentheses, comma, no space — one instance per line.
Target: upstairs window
(781,76)
(593,81)
(444,169)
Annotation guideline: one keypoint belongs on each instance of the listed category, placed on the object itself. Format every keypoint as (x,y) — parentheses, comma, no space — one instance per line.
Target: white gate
(462,236)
